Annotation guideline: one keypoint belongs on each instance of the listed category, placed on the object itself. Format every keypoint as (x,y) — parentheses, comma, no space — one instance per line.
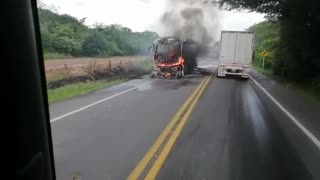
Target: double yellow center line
(183,115)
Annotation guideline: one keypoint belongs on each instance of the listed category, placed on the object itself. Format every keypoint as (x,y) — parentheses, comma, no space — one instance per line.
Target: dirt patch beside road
(61,68)
(78,62)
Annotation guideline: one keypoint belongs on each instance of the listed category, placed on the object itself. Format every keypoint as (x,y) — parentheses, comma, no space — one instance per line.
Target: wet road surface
(233,134)
(234,131)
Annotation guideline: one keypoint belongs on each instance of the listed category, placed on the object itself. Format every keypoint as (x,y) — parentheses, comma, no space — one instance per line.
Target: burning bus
(174,57)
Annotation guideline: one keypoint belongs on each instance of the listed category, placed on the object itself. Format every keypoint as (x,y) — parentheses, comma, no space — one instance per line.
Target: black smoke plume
(191,19)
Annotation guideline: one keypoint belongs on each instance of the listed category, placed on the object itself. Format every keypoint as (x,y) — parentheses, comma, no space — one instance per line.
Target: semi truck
(174,57)
(236,53)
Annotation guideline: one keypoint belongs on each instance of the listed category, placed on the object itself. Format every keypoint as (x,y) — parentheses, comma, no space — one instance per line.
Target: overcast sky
(139,15)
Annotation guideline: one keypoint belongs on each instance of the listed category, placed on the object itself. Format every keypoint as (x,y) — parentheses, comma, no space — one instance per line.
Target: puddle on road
(255,112)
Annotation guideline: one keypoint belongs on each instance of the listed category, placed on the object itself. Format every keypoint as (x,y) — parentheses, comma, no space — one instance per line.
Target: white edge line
(305,130)
(95,103)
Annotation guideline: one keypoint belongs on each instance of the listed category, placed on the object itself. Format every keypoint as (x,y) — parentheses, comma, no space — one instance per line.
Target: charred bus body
(174,57)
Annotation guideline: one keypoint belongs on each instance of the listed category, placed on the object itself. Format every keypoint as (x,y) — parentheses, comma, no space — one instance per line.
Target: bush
(64,34)
(316,83)
(50,55)
(266,38)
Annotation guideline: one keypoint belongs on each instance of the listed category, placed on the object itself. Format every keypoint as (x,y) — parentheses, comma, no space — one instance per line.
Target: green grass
(56,77)
(146,65)
(306,90)
(49,56)
(73,90)
(267,72)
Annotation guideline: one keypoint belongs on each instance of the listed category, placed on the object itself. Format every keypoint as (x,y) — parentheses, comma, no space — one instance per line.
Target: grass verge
(267,72)
(77,89)
(49,56)
(55,77)
(306,90)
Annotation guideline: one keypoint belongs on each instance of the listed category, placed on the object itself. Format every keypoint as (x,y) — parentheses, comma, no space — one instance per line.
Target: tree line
(291,33)
(68,36)
(267,38)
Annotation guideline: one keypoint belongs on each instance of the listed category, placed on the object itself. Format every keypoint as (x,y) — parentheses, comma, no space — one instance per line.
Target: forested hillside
(64,35)
(267,38)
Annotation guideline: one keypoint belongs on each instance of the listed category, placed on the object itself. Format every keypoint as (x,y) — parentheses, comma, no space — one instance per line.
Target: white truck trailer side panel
(235,53)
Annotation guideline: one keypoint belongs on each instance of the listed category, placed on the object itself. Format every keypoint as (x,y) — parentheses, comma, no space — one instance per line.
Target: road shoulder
(303,136)
(306,111)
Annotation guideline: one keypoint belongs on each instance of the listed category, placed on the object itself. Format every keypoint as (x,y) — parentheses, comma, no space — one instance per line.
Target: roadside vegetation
(77,89)
(94,77)
(291,36)
(100,47)
(54,56)
(66,36)
(268,38)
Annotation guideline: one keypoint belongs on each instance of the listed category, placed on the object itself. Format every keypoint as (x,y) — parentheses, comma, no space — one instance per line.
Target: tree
(297,55)
(67,35)
(62,34)
(95,45)
(266,38)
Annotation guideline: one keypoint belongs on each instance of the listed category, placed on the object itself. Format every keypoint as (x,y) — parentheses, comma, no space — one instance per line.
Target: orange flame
(179,62)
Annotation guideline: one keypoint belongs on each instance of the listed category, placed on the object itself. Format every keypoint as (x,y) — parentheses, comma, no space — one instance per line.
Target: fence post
(67,71)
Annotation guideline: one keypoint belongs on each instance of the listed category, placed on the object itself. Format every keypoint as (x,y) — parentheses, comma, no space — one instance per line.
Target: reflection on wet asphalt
(233,135)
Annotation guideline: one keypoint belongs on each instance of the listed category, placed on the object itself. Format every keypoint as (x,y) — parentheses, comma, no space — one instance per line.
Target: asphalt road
(234,132)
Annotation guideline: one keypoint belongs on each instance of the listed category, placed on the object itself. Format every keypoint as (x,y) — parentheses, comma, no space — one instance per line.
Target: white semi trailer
(236,53)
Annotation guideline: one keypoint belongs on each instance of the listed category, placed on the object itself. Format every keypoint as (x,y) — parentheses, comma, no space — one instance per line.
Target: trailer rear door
(236,47)
(244,48)
(228,47)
